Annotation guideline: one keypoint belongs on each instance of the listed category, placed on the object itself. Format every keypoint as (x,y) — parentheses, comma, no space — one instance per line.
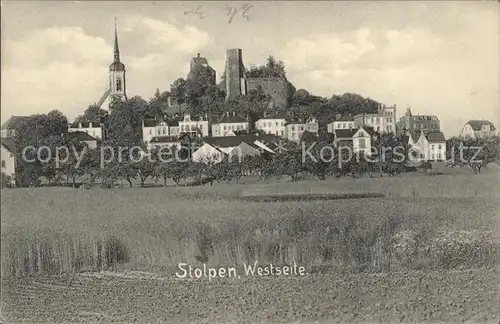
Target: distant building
(361,139)
(238,83)
(199,63)
(340,122)
(383,121)
(8,155)
(229,123)
(95,129)
(154,128)
(272,124)
(196,125)
(423,123)
(234,148)
(478,129)
(12,125)
(295,129)
(430,146)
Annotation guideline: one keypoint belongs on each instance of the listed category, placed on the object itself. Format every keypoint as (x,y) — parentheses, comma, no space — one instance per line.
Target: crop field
(428,251)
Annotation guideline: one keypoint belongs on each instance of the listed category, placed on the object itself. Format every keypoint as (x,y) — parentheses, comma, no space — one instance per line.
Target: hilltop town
(251,110)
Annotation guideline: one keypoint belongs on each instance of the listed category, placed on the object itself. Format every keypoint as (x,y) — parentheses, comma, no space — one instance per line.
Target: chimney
(234,113)
(227,114)
(265,114)
(206,116)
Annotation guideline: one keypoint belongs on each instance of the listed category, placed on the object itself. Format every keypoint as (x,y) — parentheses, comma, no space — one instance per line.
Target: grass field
(441,223)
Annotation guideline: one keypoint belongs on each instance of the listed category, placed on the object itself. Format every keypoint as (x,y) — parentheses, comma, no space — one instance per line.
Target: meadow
(439,222)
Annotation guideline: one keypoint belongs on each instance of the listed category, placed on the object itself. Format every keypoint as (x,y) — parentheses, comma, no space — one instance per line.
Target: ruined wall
(279,89)
(234,73)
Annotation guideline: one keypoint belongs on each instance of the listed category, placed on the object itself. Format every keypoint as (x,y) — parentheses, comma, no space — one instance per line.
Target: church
(117,82)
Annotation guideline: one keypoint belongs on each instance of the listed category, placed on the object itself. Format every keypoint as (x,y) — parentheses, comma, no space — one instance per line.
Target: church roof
(116,65)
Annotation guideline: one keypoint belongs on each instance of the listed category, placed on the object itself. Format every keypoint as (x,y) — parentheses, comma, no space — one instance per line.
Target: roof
(229,141)
(370,130)
(9,144)
(478,124)
(274,116)
(232,119)
(82,136)
(344,118)
(164,139)
(199,60)
(151,122)
(435,137)
(14,122)
(344,133)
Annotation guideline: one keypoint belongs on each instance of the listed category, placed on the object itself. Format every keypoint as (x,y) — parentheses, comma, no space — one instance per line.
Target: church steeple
(117,50)
(117,82)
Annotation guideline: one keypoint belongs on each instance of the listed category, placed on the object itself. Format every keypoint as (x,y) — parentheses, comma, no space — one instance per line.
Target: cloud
(431,73)
(65,68)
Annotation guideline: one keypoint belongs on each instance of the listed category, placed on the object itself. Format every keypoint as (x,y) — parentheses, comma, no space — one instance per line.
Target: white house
(191,125)
(478,129)
(208,153)
(341,122)
(92,128)
(431,146)
(229,123)
(294,129)
(274,124)
(384,121)
(8,158)
(234,147)
(362,140)
(154,128)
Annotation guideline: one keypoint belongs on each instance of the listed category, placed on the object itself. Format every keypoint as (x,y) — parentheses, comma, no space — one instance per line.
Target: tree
(92,113)
(475,153)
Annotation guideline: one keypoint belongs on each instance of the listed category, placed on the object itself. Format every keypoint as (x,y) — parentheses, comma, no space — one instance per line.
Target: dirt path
(465,296)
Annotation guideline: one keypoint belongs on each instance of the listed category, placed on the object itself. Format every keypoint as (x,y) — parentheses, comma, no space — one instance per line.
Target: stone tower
(235,74)
(117,84)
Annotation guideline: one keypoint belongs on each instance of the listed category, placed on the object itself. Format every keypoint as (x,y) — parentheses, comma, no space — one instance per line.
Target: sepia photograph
(250,162)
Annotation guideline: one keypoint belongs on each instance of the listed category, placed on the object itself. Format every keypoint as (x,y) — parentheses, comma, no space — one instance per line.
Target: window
(439,156)
(3,163)
(282,133)
(293,128)
(282,124)
(276,132)
(344,125)
(118,85)
(269,124)
(432,147)
(361,134)
(362,144)
(439,147)
(276,124)
(150,132)
(225,127)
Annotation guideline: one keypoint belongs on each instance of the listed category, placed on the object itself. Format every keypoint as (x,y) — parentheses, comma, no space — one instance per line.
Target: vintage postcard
(250,162)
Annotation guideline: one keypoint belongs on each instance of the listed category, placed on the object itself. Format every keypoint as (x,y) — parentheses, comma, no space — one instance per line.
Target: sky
(439,58)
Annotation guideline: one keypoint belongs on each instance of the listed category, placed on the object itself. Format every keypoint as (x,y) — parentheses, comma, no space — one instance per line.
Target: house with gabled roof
(229,123)
(361,139)
(431,146)
(272,124)
(340,122)
(231,147)
(154,128)
(93,128)
(13,124)
(478,129)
